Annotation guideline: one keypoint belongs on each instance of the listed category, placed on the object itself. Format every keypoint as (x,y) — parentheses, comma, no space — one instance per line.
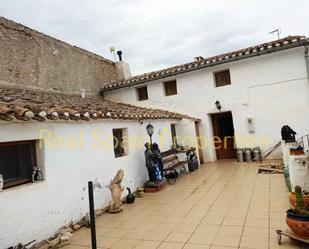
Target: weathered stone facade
(30,58)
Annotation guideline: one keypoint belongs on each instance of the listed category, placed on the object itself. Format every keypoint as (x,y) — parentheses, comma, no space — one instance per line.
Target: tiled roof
(28,104)
(273,46)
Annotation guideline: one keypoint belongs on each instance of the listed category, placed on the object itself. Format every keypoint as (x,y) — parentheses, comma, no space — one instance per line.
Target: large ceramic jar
(299,224)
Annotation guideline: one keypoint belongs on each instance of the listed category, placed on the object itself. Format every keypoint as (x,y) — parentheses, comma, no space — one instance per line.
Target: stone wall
(30,58)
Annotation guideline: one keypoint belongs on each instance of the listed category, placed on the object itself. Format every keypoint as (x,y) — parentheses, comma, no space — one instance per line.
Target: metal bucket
(257,154)
(248,154)
(240,155)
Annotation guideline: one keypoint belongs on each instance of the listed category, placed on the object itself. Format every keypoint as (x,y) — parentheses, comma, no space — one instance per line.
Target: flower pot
(297,223)
(292,200)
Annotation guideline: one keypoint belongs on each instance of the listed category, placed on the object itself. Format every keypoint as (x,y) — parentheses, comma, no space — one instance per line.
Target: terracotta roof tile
(264,48)
(28,104)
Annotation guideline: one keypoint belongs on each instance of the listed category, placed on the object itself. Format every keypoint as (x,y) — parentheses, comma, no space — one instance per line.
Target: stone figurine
(116,189)
(150,162)
(157,157)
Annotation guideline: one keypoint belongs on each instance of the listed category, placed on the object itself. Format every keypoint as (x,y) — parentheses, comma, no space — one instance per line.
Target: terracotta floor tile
(136,234)
(171,245)
(204,239)
(253,242)
(147,245)
(254,222)
(222,247)
(259,232)
(230,230)
(184,227)
(125,244)
(104,242)
(226,240)
(157,235)
(196,246)
(207,229)
(233,222)
(177,237)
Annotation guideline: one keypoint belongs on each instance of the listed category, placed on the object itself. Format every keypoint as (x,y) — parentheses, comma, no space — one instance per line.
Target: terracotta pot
(298,224)
(292,200)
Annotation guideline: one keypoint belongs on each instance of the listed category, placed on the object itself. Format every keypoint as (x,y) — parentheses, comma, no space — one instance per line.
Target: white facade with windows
(70,155)
(266,92)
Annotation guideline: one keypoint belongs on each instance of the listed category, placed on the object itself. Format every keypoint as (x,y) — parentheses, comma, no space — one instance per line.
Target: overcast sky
(154,34)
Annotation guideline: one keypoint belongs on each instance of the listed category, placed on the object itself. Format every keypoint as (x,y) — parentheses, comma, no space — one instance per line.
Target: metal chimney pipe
(119,53)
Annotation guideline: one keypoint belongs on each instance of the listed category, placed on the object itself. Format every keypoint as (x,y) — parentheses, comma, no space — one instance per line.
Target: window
(142,93)
(17,160)
(222,78)
(120,144)
(170,88)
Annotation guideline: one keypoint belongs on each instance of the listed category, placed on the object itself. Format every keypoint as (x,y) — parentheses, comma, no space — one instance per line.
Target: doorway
(223,130)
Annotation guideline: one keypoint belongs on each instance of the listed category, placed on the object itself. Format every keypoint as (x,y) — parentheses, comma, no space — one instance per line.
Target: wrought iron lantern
(218,105)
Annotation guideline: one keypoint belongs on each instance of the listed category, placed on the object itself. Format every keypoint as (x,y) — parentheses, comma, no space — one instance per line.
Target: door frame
(215,132)
(198,141)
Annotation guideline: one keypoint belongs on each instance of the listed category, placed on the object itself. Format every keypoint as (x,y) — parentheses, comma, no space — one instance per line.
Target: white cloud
(158,33)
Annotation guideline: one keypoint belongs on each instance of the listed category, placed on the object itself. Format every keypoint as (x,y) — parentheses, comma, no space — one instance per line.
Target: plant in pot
(298,219)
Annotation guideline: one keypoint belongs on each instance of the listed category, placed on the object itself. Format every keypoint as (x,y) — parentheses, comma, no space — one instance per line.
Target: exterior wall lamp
(218,105)
(150,131)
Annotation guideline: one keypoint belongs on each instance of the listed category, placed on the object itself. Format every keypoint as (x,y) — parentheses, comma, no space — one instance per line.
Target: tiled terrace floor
(223,205)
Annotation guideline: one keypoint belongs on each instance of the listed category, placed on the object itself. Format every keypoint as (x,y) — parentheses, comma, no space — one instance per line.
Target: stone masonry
(30,58)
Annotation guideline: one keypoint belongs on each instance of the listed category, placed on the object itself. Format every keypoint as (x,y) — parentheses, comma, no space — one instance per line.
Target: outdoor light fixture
(218,105)
(150,131)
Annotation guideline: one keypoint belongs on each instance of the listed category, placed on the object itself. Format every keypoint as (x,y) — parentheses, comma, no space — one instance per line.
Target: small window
(222,78)
(17,160)
(142,93)
(170,88)
(120,145)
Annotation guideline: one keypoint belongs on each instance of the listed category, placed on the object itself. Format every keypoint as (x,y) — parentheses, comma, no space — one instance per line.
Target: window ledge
(25,185)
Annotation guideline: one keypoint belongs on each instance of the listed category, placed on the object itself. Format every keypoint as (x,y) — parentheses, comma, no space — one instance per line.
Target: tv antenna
(112,50)
(276,31)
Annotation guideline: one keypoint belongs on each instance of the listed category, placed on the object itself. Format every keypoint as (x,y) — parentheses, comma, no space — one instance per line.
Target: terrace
(223,205)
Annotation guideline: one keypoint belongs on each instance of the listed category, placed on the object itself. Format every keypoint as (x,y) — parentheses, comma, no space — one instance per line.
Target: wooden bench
(171,161)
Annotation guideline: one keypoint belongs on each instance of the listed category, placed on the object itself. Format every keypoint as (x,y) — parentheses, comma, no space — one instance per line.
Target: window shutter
(170,88)
(222,78)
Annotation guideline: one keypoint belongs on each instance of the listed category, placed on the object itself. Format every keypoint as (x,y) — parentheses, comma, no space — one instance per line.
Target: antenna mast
(276,31)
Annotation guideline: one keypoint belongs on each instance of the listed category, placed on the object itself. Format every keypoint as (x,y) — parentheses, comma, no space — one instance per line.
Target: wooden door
(199,146)
(223,130)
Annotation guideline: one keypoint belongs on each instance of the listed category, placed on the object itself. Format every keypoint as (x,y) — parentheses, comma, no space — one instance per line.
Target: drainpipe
(307,59)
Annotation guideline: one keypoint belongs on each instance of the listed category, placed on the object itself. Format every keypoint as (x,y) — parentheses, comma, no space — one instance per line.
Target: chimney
(122,68)
(119,53)
(199,58)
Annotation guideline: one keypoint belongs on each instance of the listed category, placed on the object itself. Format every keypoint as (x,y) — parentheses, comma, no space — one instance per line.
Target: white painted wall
(38,210)
(272,89)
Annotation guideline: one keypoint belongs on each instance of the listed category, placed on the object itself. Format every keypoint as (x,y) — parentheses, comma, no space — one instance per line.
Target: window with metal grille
(170,88)
(222,78)
(17,160)
(142,93)
(120,148)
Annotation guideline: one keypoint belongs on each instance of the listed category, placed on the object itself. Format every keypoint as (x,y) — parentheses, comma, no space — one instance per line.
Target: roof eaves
(173,72)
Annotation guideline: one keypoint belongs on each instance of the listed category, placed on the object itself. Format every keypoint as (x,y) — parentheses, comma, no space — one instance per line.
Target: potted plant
(298,219)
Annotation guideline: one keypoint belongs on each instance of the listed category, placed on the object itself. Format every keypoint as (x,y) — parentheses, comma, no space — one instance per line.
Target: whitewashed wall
(38,210)
(272,89)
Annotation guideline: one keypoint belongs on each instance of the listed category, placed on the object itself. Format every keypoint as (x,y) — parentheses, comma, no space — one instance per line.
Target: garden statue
(150,164)
(115,205)
(157,157)
(288,134)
